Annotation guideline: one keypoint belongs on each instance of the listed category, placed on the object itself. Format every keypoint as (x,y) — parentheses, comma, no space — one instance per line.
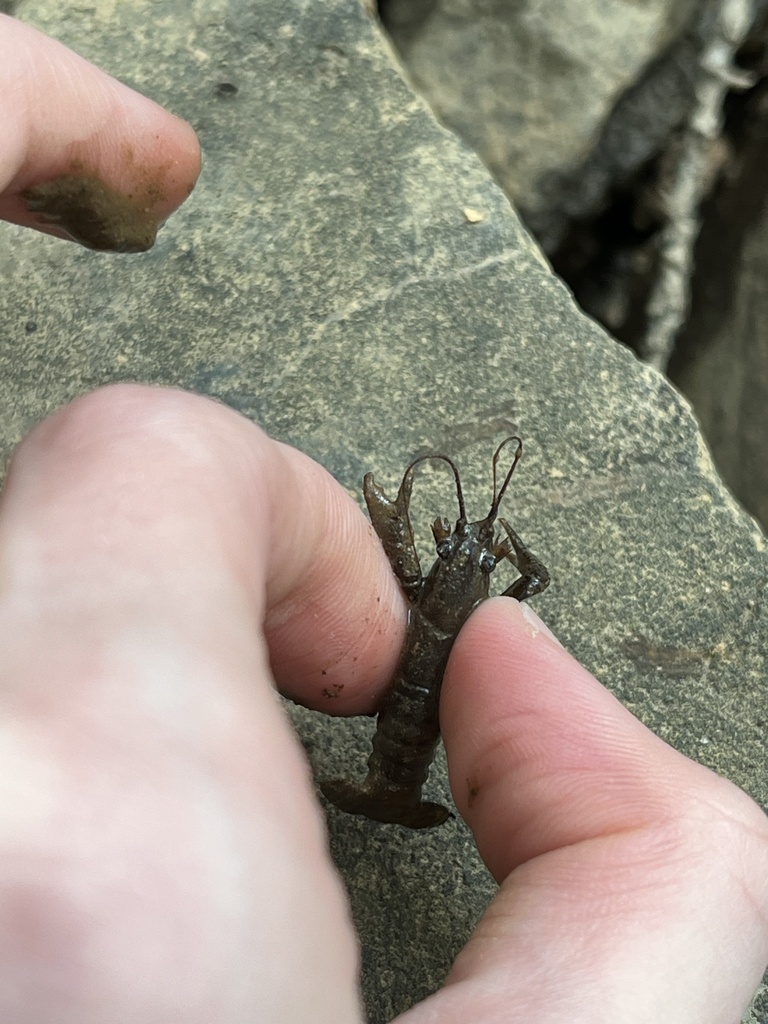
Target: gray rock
(561,100)
(722,362)
(324,280)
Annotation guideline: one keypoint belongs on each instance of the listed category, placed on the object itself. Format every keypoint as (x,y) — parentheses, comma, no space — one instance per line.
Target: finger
(582,765)
(161,852)
(180,484)
(632,879)
(83,156)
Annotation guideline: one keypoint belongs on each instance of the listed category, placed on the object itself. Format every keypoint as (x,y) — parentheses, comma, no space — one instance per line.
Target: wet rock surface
(325,280)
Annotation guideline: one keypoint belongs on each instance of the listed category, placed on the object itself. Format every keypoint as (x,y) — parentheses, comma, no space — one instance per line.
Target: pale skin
(163,857)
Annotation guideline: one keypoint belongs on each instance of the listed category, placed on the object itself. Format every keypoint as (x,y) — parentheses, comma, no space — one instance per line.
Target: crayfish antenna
(454,469)
(494,509)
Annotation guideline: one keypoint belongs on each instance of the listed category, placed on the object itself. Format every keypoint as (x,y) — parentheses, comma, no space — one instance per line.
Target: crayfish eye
(444,547)
(487,561)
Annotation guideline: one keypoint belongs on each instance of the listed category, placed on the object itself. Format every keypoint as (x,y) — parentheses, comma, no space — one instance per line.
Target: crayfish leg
(534,575)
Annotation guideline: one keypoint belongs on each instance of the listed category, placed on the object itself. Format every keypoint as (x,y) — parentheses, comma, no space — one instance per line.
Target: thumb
(631,878)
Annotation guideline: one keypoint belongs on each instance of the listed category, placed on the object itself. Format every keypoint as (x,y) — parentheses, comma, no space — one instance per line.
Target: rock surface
(562,101)
(609,156)
(722,361)
(324,280)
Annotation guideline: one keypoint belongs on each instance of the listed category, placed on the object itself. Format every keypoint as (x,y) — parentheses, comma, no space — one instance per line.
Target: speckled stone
(562,100)
(324,280)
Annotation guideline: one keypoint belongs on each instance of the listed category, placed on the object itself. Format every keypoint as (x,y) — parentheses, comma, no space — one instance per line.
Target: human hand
(163,856)
(83,156)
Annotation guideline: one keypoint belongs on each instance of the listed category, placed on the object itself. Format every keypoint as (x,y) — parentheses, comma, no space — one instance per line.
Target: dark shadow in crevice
(736,203)
(403,19)
(609,260)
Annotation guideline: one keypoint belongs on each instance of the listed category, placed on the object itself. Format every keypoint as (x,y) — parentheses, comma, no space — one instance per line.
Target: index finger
(85,157)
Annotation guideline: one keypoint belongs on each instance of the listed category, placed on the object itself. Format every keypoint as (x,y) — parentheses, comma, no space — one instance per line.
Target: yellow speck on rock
(473,216)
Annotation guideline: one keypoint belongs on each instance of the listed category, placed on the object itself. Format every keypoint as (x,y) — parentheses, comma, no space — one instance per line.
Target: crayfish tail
(400,808)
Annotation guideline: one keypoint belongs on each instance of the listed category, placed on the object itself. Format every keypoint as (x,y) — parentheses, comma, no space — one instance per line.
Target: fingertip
(536,624)
(345,593)
(540,754)
(291,539)
(99,163)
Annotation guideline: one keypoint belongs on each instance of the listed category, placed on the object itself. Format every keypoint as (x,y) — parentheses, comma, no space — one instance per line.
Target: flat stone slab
(563,101)
(325,280)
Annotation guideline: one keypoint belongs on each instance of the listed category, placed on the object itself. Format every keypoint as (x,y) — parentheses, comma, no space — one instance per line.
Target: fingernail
(537,626)
(94,214)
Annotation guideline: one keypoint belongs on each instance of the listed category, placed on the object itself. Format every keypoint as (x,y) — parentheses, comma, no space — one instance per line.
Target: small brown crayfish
(408,725)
